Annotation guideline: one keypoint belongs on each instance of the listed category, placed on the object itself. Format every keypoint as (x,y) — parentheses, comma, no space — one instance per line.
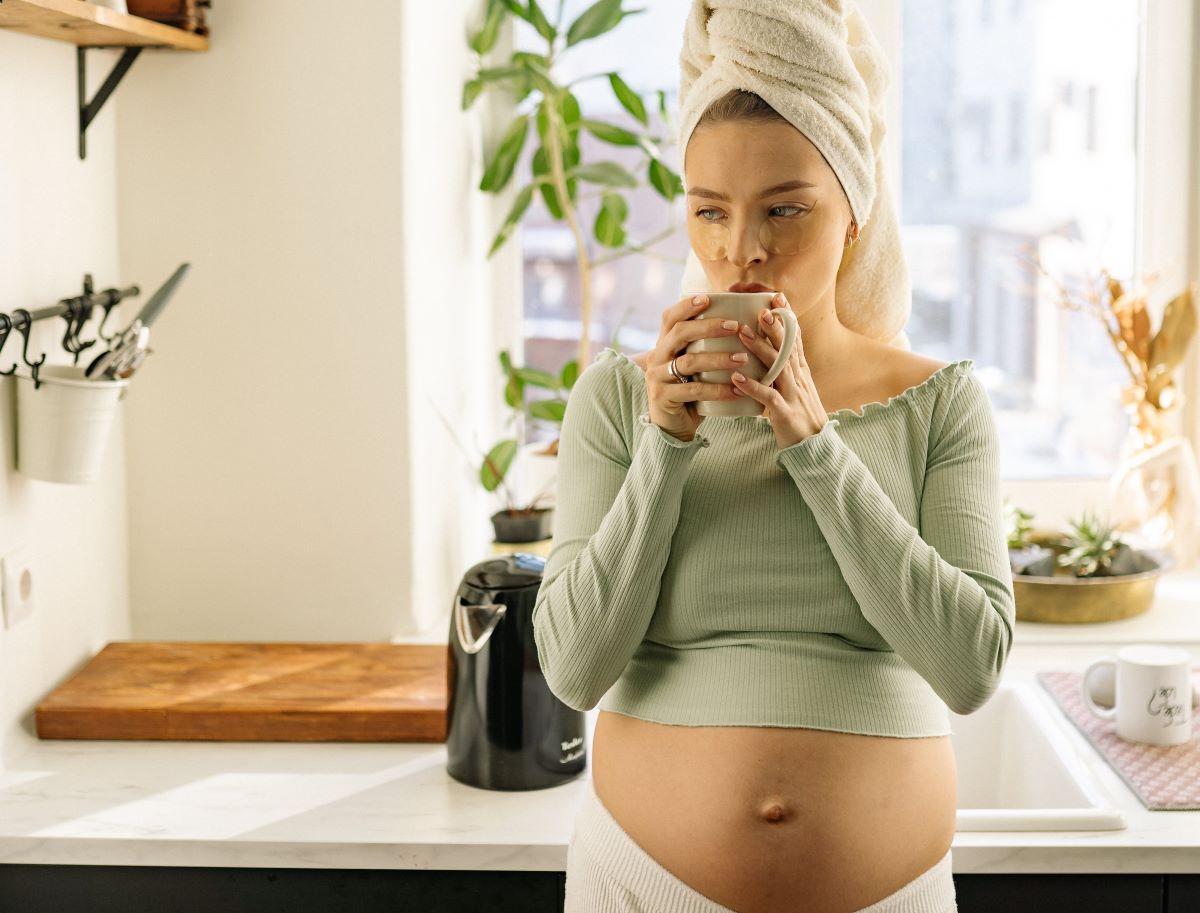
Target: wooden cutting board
(269,692)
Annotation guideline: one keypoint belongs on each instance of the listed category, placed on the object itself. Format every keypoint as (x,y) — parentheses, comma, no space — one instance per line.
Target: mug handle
(1105,713)
(791,327)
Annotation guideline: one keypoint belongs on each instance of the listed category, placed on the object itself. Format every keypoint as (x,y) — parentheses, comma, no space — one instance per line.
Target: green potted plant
(529,522)
(557,169)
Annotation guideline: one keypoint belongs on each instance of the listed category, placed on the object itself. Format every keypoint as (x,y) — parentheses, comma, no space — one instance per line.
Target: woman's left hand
(791,403)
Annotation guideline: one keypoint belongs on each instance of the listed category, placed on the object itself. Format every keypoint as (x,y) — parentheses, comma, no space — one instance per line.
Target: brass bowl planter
(1067,599)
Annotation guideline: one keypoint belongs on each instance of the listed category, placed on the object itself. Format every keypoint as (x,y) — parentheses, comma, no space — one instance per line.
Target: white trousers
(607,872)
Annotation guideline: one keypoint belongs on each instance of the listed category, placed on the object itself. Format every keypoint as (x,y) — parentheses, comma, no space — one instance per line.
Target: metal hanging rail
(77,311)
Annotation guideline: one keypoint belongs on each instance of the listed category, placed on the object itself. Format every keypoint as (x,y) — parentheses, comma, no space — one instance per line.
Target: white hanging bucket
(63,426)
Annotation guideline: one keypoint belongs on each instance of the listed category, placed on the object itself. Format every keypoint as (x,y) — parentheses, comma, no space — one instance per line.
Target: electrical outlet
(17,572)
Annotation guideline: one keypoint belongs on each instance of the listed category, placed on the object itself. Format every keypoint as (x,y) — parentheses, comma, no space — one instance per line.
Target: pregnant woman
(777,611)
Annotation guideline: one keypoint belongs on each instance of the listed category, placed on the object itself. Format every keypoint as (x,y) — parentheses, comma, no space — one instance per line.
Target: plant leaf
(539,70)
(523,88)
(504,160)
(570,373)
(542,119)
(496,464)
(551,410)
(493,74)
(569,108)
(538,378)
(540,22)
(541,169)
(515,7)
(628,98)
(610,133)
(520,204)
(514,391)
(485,39)
(597,19)
(664,180)
(610,173)
(609,228)
(471,90)
(487,78)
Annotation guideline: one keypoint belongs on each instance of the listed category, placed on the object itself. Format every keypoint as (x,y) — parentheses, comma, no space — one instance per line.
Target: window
(974,194)
(1054,384)
(1016,127)
(1092,92)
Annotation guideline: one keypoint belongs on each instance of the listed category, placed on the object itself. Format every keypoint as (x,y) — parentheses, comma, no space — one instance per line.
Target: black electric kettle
(505,729)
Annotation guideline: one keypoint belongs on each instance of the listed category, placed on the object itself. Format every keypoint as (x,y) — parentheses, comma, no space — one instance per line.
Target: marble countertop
(394,806)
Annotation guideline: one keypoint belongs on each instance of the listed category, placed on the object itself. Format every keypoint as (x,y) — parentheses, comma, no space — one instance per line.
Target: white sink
(1018,771)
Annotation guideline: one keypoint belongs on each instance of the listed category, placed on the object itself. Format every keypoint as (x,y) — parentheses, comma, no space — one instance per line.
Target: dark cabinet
(185,889)
(1098,893)
(1182,894)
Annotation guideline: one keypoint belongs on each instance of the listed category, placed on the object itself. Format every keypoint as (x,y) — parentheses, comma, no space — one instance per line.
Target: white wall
(57,221)
(288,478)
(463,308)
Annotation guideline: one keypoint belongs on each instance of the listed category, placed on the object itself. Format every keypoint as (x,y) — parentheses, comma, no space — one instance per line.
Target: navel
(774,812)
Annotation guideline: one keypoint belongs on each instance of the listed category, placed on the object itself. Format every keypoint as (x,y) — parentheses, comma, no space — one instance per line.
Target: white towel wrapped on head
(818,64)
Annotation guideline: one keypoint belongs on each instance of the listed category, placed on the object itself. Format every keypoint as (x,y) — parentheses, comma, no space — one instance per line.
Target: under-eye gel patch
(785,235)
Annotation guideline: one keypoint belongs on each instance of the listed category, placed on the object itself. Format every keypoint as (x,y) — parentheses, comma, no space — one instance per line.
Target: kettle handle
(468,643)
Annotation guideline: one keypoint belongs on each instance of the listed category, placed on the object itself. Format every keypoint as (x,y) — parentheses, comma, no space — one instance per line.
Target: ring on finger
(675,372)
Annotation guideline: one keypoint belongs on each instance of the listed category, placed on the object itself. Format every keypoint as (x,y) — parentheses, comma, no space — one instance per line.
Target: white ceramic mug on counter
(1153,696)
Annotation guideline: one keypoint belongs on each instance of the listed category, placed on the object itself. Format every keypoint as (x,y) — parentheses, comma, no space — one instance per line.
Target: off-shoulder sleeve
(942,597)
(620,482)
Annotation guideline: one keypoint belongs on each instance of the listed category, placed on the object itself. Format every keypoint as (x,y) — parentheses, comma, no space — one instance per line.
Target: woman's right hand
(672,403)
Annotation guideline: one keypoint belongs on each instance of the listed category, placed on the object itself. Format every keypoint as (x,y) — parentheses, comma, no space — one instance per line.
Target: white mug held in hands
(742,307)
(1153,694)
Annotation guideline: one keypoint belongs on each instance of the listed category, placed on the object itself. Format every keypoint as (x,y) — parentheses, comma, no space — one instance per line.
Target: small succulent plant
(1025,556)
(1018,524)
(1091,546)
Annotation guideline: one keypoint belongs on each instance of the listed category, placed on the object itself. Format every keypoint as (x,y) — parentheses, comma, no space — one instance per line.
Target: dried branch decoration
(1150,357)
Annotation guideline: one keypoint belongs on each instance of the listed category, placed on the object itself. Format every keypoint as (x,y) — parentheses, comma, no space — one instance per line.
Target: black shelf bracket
(89,110)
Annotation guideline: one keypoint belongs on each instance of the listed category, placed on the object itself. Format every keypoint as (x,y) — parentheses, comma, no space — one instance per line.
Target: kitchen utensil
(130,347)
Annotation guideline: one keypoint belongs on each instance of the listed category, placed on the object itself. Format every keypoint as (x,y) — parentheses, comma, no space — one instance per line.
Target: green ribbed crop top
(856,581)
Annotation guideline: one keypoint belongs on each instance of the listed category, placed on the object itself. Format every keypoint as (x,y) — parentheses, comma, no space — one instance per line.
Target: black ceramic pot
(525,526)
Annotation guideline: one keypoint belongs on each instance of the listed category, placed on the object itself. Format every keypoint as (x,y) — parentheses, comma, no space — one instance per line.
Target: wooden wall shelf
(88,25)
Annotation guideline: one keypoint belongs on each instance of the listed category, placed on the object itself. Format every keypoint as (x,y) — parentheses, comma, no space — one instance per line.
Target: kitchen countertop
(393,806)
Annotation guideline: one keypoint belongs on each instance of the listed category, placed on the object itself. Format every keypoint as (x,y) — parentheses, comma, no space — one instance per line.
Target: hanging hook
(8,325)
(25,322)
(70,317)
(77,316)
(112,300)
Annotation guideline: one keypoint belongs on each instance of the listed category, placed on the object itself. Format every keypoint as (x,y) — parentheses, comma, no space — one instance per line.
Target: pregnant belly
(760,818)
